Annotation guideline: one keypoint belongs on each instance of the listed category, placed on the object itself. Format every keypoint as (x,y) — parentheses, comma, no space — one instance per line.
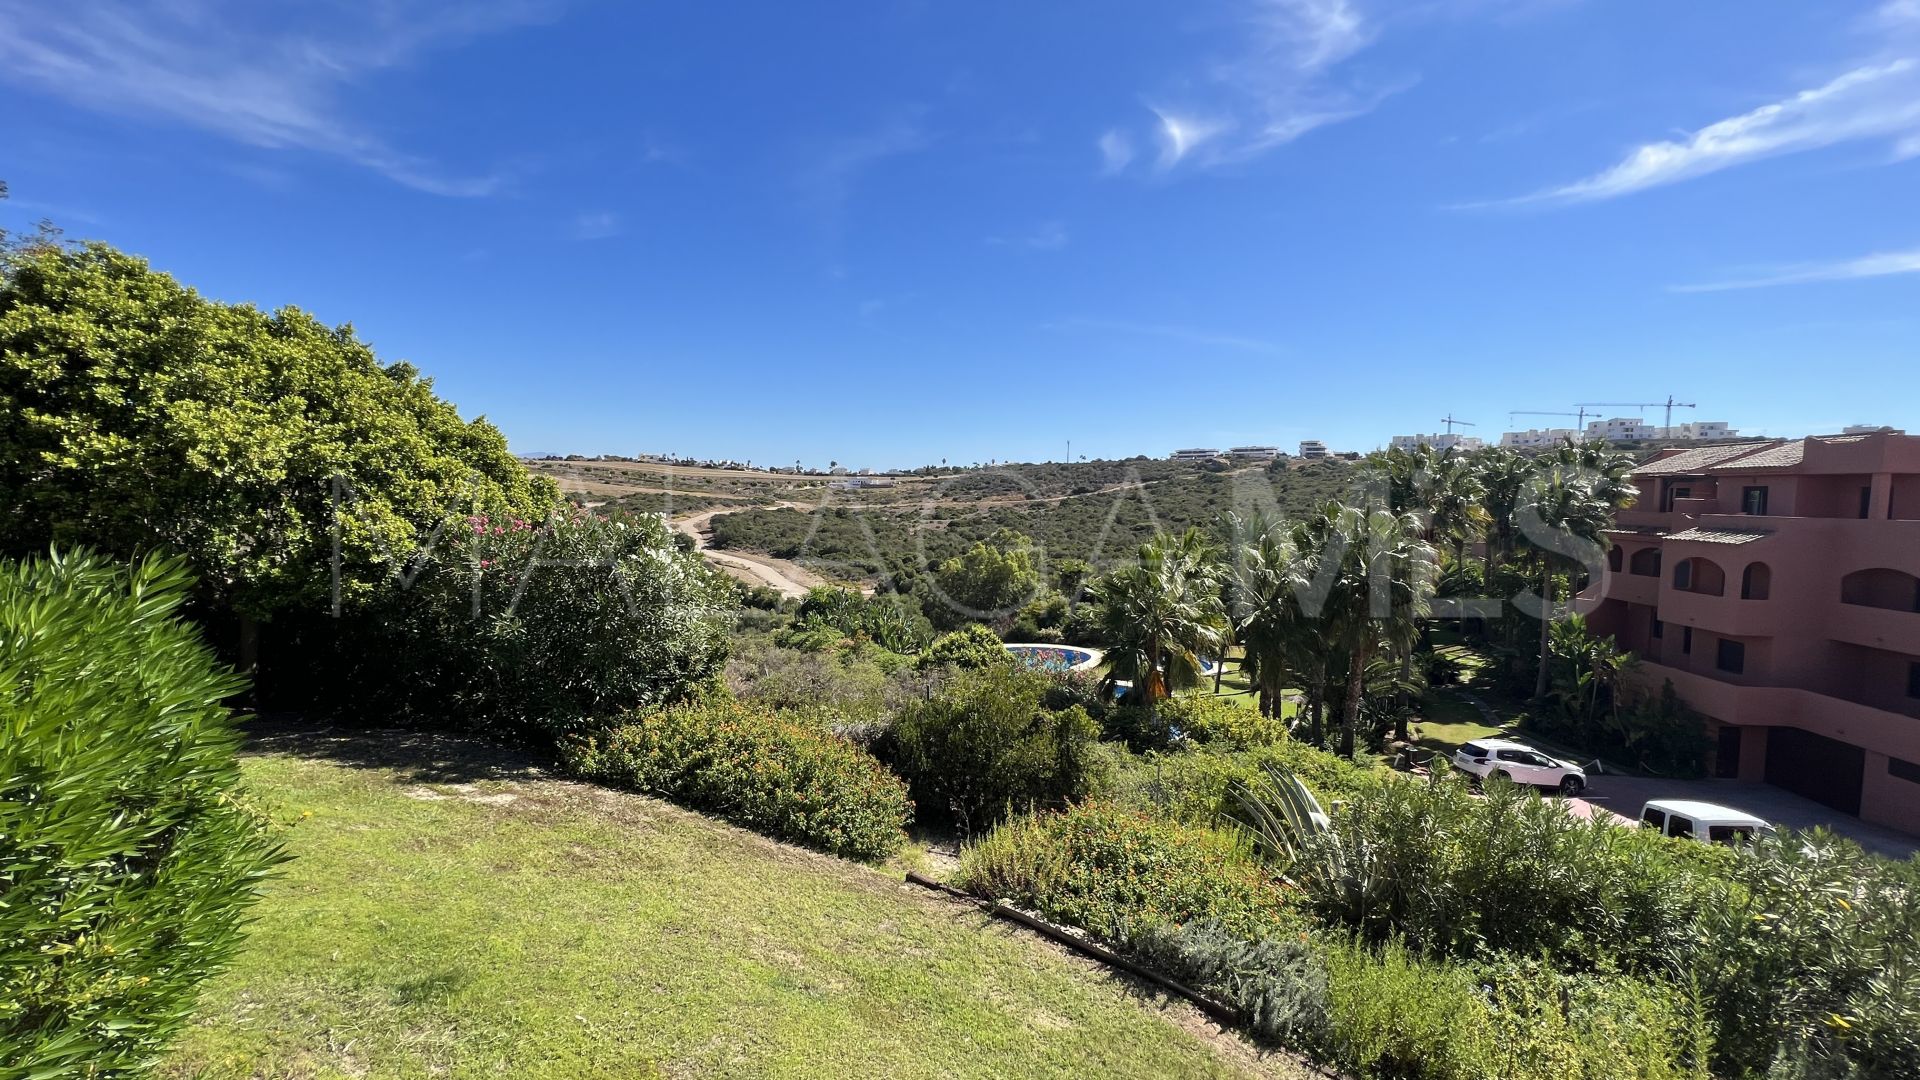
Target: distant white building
(1868,429)
(1438,441)
(1266,453)
(1539,438)
(1622,429)
(855,483)
(1700,431)
(1197,454)
(1313,450)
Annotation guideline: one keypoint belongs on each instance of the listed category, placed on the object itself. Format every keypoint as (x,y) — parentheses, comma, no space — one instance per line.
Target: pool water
(1055,657)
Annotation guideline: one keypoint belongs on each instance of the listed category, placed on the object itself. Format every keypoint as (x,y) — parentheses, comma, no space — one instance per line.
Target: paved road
(1624,795)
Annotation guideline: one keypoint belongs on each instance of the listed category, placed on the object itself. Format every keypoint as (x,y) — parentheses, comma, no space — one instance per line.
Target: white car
(1709,823)
(1521,764)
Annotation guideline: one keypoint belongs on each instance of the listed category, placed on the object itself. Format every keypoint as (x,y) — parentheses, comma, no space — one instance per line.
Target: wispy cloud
(1116,151)
(213,65)
(1184,334)
(1880,101)
(1275,85)
(1885,264)
(597,225)
(1048,236)
(828,179)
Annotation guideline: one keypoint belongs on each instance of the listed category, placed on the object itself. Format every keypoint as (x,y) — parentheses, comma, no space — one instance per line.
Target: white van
(1709,823)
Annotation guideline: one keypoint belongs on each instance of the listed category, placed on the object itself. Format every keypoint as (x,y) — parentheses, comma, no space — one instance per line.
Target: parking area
(1624,795)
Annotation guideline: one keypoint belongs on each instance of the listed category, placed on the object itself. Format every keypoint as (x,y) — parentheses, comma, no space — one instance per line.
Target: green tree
(128,855)
(142,416)
(1268,579)
(1161,616)
(990,581)
(1562,517)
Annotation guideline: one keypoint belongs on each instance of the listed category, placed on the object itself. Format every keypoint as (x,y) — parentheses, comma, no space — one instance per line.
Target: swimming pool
(1055,657)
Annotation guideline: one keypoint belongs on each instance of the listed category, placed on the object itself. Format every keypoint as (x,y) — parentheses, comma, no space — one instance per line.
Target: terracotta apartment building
(1777,584)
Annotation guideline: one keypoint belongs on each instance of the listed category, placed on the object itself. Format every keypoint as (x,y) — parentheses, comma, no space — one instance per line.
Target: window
(1645,562)
(1753,500)
(1756,582)
(1913,680)
(1654,819)
(1475,750)
(1659,628)
(1683,575)
(1728,834)
(1686,640)
(1613,559)
(1733,656)
(1512,755)
(1866,502)
(1679,826)
(1905,770)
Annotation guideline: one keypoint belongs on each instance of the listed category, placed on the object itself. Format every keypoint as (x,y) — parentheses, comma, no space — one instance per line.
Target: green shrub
(1211,721)
(532,629)
(1278,983)
(987,745)
(888,621)
(972,646)
(1187,785)
(128,859)
(774,774)
(1114,873)
(1393,1014)
(1460,876)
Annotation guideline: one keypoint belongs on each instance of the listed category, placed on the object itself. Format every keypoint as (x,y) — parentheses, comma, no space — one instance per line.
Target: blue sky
(888,233)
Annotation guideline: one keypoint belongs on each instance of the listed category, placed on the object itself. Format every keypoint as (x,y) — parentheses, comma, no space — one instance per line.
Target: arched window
(1895,590)
(1699,575)
(1756,582)
(1645,562)
(1614,558)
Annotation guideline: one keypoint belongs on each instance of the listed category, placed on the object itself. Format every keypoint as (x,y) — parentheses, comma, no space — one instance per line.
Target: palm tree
(1373,577)
(1267,581)
(1161,616)
(1563,510)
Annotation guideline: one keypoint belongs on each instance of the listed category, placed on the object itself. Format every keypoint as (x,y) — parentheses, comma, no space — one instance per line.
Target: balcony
(1633,588)
(1876,628)
(1765,706)
(1728,615)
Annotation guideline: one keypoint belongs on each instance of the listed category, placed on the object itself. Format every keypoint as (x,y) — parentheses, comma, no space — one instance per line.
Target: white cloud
(1898,12)
(1874,102)
(828,180)
(1276,83)
(1181,135)
(212,65)
(1885,264)
(1116,150)
(597,225)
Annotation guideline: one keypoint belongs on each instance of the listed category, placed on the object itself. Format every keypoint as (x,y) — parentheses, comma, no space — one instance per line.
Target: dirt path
(786,578)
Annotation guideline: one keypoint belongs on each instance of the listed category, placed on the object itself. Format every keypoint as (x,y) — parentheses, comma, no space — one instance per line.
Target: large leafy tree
(1162,614)
(138,415)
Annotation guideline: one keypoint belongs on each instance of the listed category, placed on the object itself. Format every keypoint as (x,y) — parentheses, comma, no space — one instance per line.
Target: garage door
(1825,770)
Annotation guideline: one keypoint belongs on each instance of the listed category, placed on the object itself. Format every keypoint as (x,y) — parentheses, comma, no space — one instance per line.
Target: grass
(453,912)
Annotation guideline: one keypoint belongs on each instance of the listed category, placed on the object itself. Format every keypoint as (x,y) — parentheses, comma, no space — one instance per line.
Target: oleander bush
(1211,721)
(1116,872)
(129,856)
(987,746)
(1454,875)
(788,777)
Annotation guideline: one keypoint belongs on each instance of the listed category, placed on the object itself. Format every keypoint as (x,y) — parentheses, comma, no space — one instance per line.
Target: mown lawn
(454,913)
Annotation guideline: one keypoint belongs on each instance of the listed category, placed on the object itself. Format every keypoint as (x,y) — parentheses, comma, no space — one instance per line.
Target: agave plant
(1276,814)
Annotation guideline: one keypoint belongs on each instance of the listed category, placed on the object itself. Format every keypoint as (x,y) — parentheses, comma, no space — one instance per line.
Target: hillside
(454,911)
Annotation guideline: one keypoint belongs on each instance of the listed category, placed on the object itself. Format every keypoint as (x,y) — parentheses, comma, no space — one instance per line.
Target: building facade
(1313,449)
(1258,453)
(1776,585)
(1539,438)
(1441,441)
(1196,454)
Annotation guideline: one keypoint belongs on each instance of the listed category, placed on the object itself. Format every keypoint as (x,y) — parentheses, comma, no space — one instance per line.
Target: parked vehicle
(1521,764)
(1709,823)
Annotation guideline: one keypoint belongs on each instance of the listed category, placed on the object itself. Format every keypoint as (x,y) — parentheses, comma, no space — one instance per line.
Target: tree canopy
(136,414)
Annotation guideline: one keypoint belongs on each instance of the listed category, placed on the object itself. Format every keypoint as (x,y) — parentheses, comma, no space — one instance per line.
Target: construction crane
(1580,418)
(1452,423)
(1668,404)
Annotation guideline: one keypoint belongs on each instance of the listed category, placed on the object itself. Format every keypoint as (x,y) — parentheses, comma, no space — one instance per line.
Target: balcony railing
(1850,722)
